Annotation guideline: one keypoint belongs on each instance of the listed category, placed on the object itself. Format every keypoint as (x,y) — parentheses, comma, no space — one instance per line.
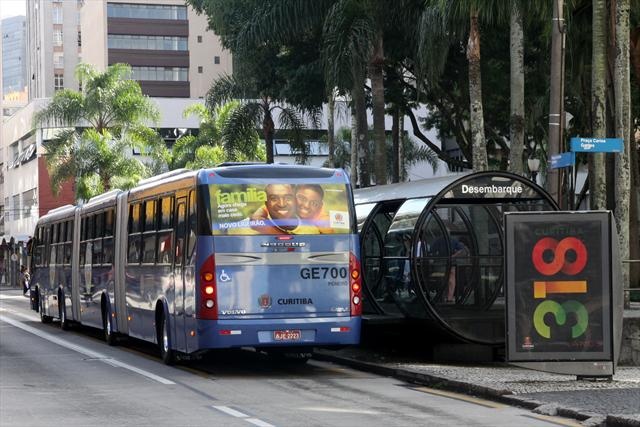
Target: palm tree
(598,99)
(516,122)
(108,116)
(622,87)
(258,113)
(456,20)
(415,154)
(217,129)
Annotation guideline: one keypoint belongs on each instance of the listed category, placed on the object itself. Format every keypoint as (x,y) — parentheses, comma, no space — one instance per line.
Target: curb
(498,395)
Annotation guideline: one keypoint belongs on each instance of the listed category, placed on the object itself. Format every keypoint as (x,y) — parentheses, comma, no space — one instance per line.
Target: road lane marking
(234,413)
(82,350)
(21,297)
(259,423)
(340,410)
(553,420)
(457,396)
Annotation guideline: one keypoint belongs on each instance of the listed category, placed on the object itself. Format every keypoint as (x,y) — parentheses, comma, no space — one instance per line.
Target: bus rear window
(274,208)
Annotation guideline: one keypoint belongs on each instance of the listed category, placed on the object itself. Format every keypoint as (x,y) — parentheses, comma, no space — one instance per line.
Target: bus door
(178,274)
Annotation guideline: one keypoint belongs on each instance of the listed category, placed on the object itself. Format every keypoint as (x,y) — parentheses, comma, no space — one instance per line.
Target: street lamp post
(534,167)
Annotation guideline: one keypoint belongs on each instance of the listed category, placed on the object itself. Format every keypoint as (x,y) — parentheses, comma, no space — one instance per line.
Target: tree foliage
(99,126)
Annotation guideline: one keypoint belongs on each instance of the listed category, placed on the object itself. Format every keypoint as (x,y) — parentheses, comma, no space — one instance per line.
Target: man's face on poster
(281,202)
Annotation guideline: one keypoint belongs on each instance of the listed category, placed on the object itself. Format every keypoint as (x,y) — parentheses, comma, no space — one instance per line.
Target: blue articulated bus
(263,256)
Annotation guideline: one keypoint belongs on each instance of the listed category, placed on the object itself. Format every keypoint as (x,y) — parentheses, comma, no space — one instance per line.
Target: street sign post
(596,145)
(564,297)
(563,160)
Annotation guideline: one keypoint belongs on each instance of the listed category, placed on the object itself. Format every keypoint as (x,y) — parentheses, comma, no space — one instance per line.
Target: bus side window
(37,253)
(165,235)
(68,243)
(97,242)
(193,224)
(180,231)
(83,240)
(150,233)
(107,243)
(52,246)
(133,253)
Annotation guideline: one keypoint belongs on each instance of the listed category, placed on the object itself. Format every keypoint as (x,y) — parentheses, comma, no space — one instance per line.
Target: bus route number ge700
(324,272)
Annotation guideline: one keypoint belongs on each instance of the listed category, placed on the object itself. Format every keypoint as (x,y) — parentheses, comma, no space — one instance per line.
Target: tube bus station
(432,251)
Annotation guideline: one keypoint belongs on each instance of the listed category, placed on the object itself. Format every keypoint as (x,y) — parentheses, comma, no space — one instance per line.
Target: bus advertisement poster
(279,208)
(559,286)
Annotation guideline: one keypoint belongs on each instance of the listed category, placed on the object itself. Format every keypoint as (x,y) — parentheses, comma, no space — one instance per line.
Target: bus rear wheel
(43,317)
(167,355)
(65,324)
(109,336)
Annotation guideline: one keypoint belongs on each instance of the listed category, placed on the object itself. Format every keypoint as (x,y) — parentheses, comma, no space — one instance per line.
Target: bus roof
(271,171)
(66,211)
(405,190)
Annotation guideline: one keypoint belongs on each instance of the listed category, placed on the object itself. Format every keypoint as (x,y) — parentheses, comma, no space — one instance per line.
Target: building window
(17,209)
(176,74)
(57,13)
(124,41)
(146,11)
(57,37)
(58,81)
(216,59)
(199,70)
(199,39)
(58,60)
(79,38)
(29,201)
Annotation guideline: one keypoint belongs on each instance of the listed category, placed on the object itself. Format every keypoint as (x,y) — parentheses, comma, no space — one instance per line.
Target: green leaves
(103,124)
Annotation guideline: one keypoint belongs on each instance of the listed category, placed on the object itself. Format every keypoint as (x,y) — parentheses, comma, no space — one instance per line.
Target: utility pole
(556,99)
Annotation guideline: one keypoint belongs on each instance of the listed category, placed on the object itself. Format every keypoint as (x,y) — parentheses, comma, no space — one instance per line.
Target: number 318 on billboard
(543,289)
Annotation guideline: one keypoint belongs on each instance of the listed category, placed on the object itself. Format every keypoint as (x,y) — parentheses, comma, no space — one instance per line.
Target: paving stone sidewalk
(610,403)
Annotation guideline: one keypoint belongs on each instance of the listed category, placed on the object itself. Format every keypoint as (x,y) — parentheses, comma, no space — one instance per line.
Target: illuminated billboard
(559,286)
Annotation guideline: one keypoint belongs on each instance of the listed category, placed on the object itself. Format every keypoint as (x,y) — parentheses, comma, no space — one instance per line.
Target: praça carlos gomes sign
(564,305)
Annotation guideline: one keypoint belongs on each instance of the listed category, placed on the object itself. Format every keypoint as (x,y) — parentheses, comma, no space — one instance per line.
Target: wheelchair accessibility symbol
(224,277)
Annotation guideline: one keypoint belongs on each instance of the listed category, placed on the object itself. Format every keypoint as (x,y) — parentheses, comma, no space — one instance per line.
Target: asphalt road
(50,377)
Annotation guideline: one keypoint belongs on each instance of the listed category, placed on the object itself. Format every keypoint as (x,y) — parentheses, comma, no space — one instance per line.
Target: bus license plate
(292,335)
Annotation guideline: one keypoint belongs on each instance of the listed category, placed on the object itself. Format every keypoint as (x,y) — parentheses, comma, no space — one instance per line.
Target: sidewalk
(610,403)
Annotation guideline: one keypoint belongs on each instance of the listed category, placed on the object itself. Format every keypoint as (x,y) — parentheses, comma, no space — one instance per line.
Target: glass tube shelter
(432,249)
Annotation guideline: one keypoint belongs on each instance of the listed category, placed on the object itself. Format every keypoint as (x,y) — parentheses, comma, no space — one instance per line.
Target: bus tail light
(208,296)
(355,288)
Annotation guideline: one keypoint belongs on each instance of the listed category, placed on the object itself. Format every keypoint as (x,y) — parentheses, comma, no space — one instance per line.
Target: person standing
(25,279)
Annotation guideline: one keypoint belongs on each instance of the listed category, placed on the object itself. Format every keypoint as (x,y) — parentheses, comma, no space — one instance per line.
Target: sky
(9,8)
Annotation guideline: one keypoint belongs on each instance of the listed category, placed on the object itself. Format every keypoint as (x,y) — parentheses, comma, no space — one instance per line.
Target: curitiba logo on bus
(248,196)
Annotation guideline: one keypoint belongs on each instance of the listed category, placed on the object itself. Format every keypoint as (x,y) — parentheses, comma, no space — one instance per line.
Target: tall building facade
(14,61)
(54,46)
(14,64)
(170,50)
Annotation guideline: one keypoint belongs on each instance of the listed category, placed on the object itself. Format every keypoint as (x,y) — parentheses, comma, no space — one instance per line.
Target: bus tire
(35,300)
(167,354)
(65,324)
(107,328)
(43,317)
